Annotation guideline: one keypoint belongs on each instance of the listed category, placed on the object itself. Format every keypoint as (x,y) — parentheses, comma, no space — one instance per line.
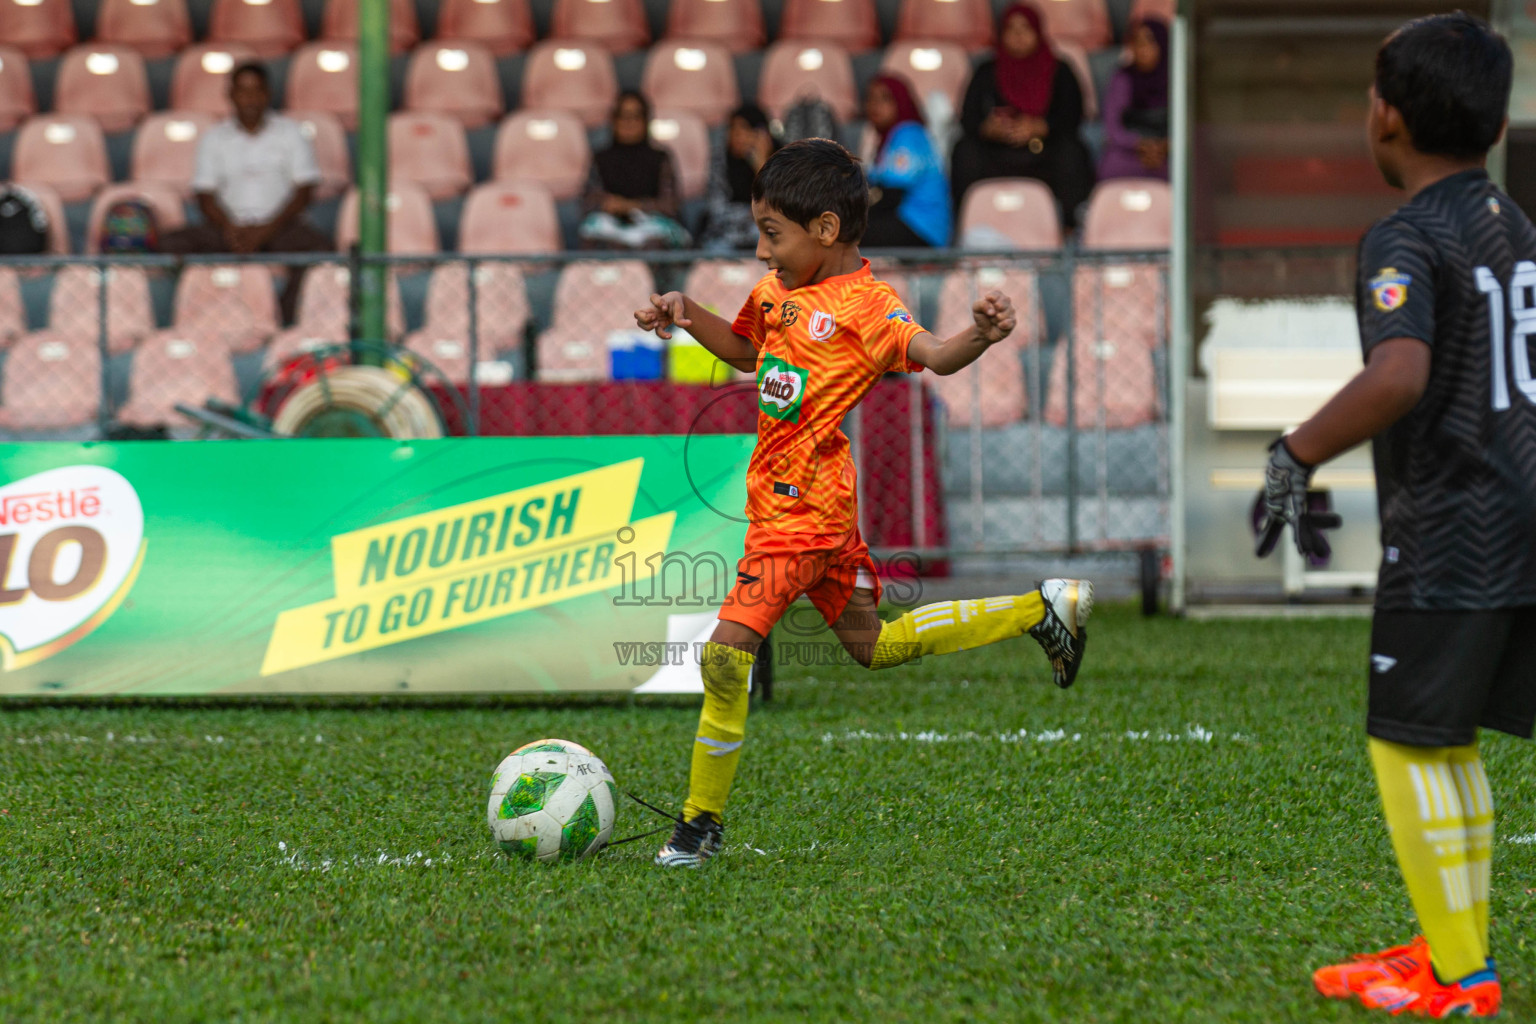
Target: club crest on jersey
(780,389)
(1389,289)
(1493,206)
(789,313)
(899,314)
(822,325)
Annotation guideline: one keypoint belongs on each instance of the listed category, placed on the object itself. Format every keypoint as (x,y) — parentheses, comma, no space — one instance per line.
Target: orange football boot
(1424,995)
(1361,971)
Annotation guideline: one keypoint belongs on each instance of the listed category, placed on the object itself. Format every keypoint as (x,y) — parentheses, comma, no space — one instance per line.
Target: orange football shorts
(778,567)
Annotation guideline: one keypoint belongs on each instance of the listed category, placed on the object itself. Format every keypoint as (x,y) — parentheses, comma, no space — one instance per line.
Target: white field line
(1525,839)
(41,739)
(1191,734)
(296,860)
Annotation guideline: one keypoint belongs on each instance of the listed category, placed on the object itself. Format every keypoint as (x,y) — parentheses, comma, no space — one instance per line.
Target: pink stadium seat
(697,77)
(13,317)
(412,227)
(325,308)
(546,146)
(501,307)
(992,387)
(1082,22)
(287,345)
(722,286)
(165,149)
(48,197)
(454,78)
(163,200)
(850,24)
(448,355)
(513,216)
(1129,213)
(966,23)
(1077,59)
(959,290)
(505,27)
(618,25)
(593,300)
(431,150)
(323,76)
(792,71)
(573,76)
(38,28)
(108,83)
(1014,213)
(236,303)
(51,381)
(17,102)
(74,308)
(735,24)
(67,152)
(1116,383)
(171,367)
(156,28)
(931,67)
(200,81)
(687,137)
(269,27)
(329,138)
(339,23)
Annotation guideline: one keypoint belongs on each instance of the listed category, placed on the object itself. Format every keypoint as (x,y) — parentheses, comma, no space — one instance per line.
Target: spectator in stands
(255,176)
(632,194)
(1021,117)
(909,195)
(1136,109)
(728,223)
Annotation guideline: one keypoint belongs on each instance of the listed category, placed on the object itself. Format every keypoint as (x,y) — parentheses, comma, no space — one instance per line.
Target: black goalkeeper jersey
(1455,267)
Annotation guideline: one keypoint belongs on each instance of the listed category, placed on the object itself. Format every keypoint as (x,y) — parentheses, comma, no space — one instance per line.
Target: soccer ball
(551,800)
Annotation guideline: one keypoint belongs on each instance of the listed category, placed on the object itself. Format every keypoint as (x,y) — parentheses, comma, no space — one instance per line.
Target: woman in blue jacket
(909,194)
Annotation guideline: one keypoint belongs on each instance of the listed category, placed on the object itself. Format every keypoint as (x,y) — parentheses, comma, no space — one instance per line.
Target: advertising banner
(555,564)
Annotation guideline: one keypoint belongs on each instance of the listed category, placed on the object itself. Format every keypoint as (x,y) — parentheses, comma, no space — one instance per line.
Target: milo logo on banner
(780,388)
(71,543)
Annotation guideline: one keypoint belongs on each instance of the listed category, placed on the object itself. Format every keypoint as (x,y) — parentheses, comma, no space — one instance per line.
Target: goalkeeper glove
(1284,500)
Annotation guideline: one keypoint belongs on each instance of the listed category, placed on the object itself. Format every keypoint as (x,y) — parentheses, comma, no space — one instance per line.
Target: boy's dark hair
(1449,76)
(251,67)
(807,178)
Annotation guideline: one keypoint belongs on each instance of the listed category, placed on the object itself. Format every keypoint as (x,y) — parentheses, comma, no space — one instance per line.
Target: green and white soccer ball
(551,800)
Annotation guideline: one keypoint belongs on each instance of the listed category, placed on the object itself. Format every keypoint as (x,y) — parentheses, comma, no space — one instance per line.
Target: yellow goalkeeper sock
(1477,810)
(722,728)
(950,626)
(1423,806)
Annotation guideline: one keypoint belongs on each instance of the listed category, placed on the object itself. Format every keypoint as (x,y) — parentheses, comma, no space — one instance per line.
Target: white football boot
(1063,632)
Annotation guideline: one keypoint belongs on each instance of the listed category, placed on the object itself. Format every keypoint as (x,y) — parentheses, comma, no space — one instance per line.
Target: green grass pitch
(1182,836)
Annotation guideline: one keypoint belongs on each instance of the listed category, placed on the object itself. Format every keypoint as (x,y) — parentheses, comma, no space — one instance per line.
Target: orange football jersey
(820,349)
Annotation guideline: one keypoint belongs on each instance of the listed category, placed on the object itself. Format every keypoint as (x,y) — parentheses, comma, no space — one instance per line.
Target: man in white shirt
(255,176)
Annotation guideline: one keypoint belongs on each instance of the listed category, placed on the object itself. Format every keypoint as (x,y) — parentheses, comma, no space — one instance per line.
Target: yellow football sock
(1424,813)
(1477,810)
(950,626)
(722,727)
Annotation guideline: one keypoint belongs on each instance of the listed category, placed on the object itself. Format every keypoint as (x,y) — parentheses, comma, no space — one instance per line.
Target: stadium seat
(200,81)
(17,101)
(617,25)
(270,28)
(504,27)
(323,76)
(966,23)
(549,147)
(287,345)
(51,381)
(108,83)
(329,138)
(686,136)
(431,150)
(67,152)
(513,216)
(722,286)
(165,149)
(991,388)
(156,28)
(1009,213)
(163,200)
(1113,344)
(1084,23)
(736,25)
(236,303)
(58,228)
(1077,59)
(1129,213)
(74,308)
(501,314)
(697,77)
(339,23)
(577,77)
(38,28)
(448,355)
(171,367)
(931,67)
(412,226)
(455,78)
(792,71)
(850,24)
(325,304)
(959,290)
(13,317)
(593,300)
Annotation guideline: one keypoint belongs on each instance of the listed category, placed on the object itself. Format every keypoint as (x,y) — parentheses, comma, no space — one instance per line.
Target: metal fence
(1056,440)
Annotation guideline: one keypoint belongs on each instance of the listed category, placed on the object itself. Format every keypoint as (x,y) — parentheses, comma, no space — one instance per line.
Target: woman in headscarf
(632,196)
(1021,117)
(909,195)
(1136,109)
(728,224)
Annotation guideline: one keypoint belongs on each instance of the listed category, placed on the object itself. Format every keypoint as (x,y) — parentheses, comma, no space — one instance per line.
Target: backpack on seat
(23,222)
(811,118)
(129,227)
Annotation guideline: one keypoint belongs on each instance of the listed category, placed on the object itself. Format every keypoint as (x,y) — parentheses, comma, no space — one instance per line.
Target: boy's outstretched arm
(711,331)
(995,320)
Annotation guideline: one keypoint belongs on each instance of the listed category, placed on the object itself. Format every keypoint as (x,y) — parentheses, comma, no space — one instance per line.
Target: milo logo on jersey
(780,388)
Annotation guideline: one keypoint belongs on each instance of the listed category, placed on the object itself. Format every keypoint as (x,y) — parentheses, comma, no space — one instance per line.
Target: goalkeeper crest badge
(1389,289)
